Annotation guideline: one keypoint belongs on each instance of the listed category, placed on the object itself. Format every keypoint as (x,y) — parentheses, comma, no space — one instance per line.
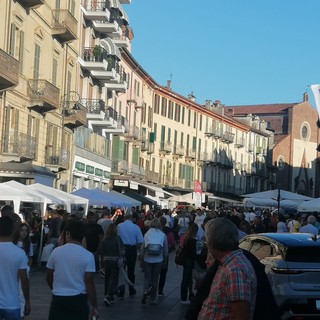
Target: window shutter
(21,51)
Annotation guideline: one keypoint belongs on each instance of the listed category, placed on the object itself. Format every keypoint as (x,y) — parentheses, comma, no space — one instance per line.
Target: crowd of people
(111,243)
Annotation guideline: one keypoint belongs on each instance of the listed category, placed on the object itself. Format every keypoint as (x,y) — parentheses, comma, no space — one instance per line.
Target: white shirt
(70,262)
(12,259)
(199,220)
(309,228)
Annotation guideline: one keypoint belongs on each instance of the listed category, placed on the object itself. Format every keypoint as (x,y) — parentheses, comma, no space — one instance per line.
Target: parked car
(292,263)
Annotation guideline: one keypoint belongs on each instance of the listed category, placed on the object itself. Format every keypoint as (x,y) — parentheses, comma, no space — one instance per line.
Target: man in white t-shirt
(13,266)
(70,270)
(199,218)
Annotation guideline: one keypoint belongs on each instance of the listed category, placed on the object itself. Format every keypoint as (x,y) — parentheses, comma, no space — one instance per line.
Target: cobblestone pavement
(169,307)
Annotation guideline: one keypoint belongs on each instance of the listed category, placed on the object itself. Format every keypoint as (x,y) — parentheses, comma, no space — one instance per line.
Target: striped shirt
(235,280)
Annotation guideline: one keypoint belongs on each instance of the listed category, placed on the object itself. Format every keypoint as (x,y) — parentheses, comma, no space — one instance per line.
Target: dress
(70,263)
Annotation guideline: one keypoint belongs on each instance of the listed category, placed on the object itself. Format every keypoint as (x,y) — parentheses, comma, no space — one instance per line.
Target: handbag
(180,256)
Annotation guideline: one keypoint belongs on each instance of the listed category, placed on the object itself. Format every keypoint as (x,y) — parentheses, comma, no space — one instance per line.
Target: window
(262,249)
(189,117)
(36,62)
(182,116)
(54,71)
(164,107)
(194,120)
(156,104)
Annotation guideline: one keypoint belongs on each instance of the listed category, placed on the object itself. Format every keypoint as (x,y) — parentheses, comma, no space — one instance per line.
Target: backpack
(154,249)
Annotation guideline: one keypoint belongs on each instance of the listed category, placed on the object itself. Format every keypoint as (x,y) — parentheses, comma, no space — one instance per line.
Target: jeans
(163,275)
(131,257)
(151,277)
(186,279)
(9,314)
(69,307)
(111,277)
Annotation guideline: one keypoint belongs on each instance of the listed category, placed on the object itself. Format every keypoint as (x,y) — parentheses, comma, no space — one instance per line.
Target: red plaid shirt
(235,280)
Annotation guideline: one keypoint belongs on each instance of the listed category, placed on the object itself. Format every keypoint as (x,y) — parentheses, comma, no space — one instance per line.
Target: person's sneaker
(160,294)
(154,302)
(107,302)
(185,302)
(111,299)
(144,298)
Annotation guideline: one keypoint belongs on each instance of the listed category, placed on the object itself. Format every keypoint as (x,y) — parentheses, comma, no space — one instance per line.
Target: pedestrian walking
(13,266)
(132,239)
(70,270)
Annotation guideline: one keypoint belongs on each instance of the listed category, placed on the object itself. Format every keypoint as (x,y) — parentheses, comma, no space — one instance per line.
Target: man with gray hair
(310,227)
(233,292)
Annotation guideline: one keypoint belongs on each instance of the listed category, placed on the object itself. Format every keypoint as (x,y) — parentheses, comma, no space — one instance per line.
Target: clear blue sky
(236,51)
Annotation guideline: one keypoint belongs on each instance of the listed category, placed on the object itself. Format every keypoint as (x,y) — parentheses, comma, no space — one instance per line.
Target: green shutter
(135,156)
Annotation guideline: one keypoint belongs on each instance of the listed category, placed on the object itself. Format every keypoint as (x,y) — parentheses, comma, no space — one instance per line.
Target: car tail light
(286,271)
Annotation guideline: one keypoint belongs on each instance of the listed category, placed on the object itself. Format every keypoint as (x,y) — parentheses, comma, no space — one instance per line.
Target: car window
(245,244)
(303,254)
(262,249)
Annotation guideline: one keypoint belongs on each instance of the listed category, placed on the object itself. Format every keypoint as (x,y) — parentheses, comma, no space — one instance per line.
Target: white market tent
(182,198)
(274,198)
(310,206)
(9,193)
(64,198)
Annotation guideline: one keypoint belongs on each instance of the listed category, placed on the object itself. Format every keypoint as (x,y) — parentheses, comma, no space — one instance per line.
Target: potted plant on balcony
(97,52)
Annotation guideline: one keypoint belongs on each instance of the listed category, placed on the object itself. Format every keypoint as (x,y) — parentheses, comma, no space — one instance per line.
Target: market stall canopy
(126,201)
(270,203)
(44,199)
(310,206)
(141,198)
(8,193)
(65,198)
(95,198)
(185,199)
(275,194)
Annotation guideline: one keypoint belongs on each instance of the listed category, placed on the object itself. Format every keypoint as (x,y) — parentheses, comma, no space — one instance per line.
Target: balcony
(178,151)
(132,133)
(9,71)
(108,28)
(208,132)
(191,155)
(228,137)
(122,40)
(64,25)
(144,145)
(205,157)
(28,4)
(137,171)
(152,176)
(150,148)
(44,96)
(75,117)
(217,133)
(96,10)
(261,151)
(240,143)
(251,148)
(96,108)
(119,166)
(57,159)
(19,147)
(120,86)
(165,147)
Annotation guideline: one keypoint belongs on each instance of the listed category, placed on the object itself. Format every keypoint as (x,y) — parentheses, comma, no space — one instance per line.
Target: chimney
(208,104)
(169,84)
(191,97)
(305,97)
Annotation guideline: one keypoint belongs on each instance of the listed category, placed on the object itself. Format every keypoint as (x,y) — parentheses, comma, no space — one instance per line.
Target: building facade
(77,110)
(296,135)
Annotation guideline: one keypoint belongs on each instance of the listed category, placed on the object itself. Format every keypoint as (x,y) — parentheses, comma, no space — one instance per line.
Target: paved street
(169,307)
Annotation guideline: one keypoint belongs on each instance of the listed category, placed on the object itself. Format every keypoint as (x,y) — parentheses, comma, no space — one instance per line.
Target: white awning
(159,192)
